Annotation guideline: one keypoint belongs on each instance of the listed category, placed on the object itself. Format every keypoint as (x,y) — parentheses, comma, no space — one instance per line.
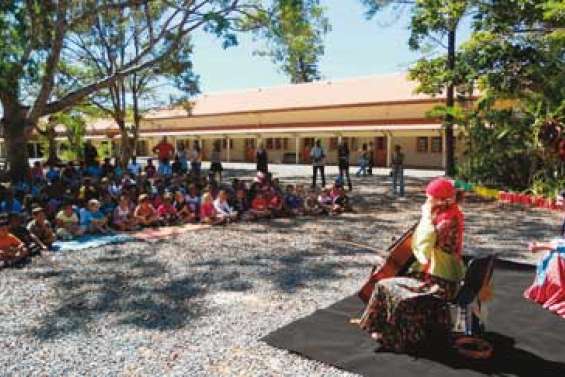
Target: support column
(297,150)
(388,149)
(443,149)
(228,148)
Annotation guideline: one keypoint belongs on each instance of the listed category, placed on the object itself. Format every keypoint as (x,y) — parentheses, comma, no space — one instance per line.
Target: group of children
(68,202)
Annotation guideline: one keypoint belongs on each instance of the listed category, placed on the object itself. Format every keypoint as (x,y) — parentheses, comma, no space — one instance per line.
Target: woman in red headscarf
(405,312)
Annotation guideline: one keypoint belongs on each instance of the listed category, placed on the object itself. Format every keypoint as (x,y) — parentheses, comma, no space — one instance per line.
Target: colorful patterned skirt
(548,288)
(409,311)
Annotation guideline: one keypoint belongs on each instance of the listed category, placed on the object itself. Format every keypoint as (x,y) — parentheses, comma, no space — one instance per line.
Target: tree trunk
(450,101)
(125,147)
(16,135)
(52,158)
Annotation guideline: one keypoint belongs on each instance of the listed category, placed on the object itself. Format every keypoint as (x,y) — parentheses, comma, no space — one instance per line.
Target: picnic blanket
(527,340)
(90,241)
(167,231)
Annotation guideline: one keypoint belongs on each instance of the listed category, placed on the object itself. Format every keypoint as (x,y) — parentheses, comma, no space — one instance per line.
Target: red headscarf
(441,188)
(448,221)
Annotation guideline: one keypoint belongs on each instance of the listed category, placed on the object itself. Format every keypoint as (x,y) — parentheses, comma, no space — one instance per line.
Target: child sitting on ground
(123,215)
(67,223)
(184,211)
(145,214)
(312,206)
(41,228)
(293,203)
(259,208)
(241,204)
(193,198)
(325,200)
(12,249)
(32,243)
(208,212)
(224,211)
(166,211)
(92,220)
(339,199)
(274,202)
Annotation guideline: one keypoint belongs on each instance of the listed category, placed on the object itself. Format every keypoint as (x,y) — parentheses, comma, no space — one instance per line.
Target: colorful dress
(548,288)
(407,311)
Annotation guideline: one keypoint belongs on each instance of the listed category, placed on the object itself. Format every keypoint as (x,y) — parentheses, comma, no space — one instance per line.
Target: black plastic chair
(479,274)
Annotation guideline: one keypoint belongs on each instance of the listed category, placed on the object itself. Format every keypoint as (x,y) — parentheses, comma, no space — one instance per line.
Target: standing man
(262,159)
(182,155)
(343,162)
(164,151)
(398,171)
(371,152)
(195,159)
(318,157)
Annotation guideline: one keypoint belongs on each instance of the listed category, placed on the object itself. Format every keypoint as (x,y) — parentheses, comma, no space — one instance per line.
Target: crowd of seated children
(69,201)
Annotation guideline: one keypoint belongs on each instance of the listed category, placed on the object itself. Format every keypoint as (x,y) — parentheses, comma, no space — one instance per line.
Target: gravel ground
(198,304)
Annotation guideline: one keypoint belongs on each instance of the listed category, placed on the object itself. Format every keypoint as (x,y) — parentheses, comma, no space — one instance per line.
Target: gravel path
(196,305)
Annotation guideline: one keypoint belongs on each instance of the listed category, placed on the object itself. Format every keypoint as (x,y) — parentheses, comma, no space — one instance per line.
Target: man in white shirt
(318,157)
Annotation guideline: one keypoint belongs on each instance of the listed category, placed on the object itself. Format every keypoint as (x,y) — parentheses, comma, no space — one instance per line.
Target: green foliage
(75,130)
(515,61)
(294,31)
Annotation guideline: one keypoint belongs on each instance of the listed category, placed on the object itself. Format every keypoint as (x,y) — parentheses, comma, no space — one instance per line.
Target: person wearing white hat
(92,220)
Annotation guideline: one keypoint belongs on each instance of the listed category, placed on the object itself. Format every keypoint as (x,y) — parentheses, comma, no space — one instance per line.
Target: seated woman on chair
(404,312)
(548,288)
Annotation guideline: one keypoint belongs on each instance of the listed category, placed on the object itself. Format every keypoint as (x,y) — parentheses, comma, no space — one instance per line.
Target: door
(380,151)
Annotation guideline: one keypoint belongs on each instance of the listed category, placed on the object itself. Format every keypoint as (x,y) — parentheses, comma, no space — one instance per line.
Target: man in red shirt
(164,151)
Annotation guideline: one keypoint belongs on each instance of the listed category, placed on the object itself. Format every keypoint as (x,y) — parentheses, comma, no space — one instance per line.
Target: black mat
(528,341)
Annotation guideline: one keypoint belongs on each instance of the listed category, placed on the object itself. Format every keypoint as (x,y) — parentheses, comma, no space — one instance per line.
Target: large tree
(35,53)
(116,38)
(436,22)
(294,35)
(515,58)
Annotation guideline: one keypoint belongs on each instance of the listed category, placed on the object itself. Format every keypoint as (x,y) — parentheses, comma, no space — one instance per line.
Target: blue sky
(355,47)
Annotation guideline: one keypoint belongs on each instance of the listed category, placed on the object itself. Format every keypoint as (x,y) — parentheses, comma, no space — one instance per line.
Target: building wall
(306,116)
(408,142)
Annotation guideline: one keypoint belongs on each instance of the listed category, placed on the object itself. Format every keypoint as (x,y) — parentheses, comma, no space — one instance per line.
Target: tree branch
(137,64)
(51,64)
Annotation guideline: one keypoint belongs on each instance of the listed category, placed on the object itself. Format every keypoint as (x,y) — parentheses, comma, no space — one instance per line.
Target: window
(278,144)
(269,143)
(422,145)
(225,143)
(354,143)
(437,144)
(309,142)
(250,143)
(333,143)
(141,148)
(285,143)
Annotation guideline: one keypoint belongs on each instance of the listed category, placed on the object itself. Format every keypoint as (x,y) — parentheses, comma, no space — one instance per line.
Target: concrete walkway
(293,170)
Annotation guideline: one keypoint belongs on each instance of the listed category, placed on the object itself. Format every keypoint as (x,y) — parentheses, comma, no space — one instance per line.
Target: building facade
(380,111)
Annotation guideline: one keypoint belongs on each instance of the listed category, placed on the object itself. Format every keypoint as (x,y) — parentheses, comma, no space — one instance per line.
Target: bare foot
(376,336)
(355,321)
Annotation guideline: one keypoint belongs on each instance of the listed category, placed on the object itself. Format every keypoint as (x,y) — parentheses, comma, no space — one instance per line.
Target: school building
(383,110)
